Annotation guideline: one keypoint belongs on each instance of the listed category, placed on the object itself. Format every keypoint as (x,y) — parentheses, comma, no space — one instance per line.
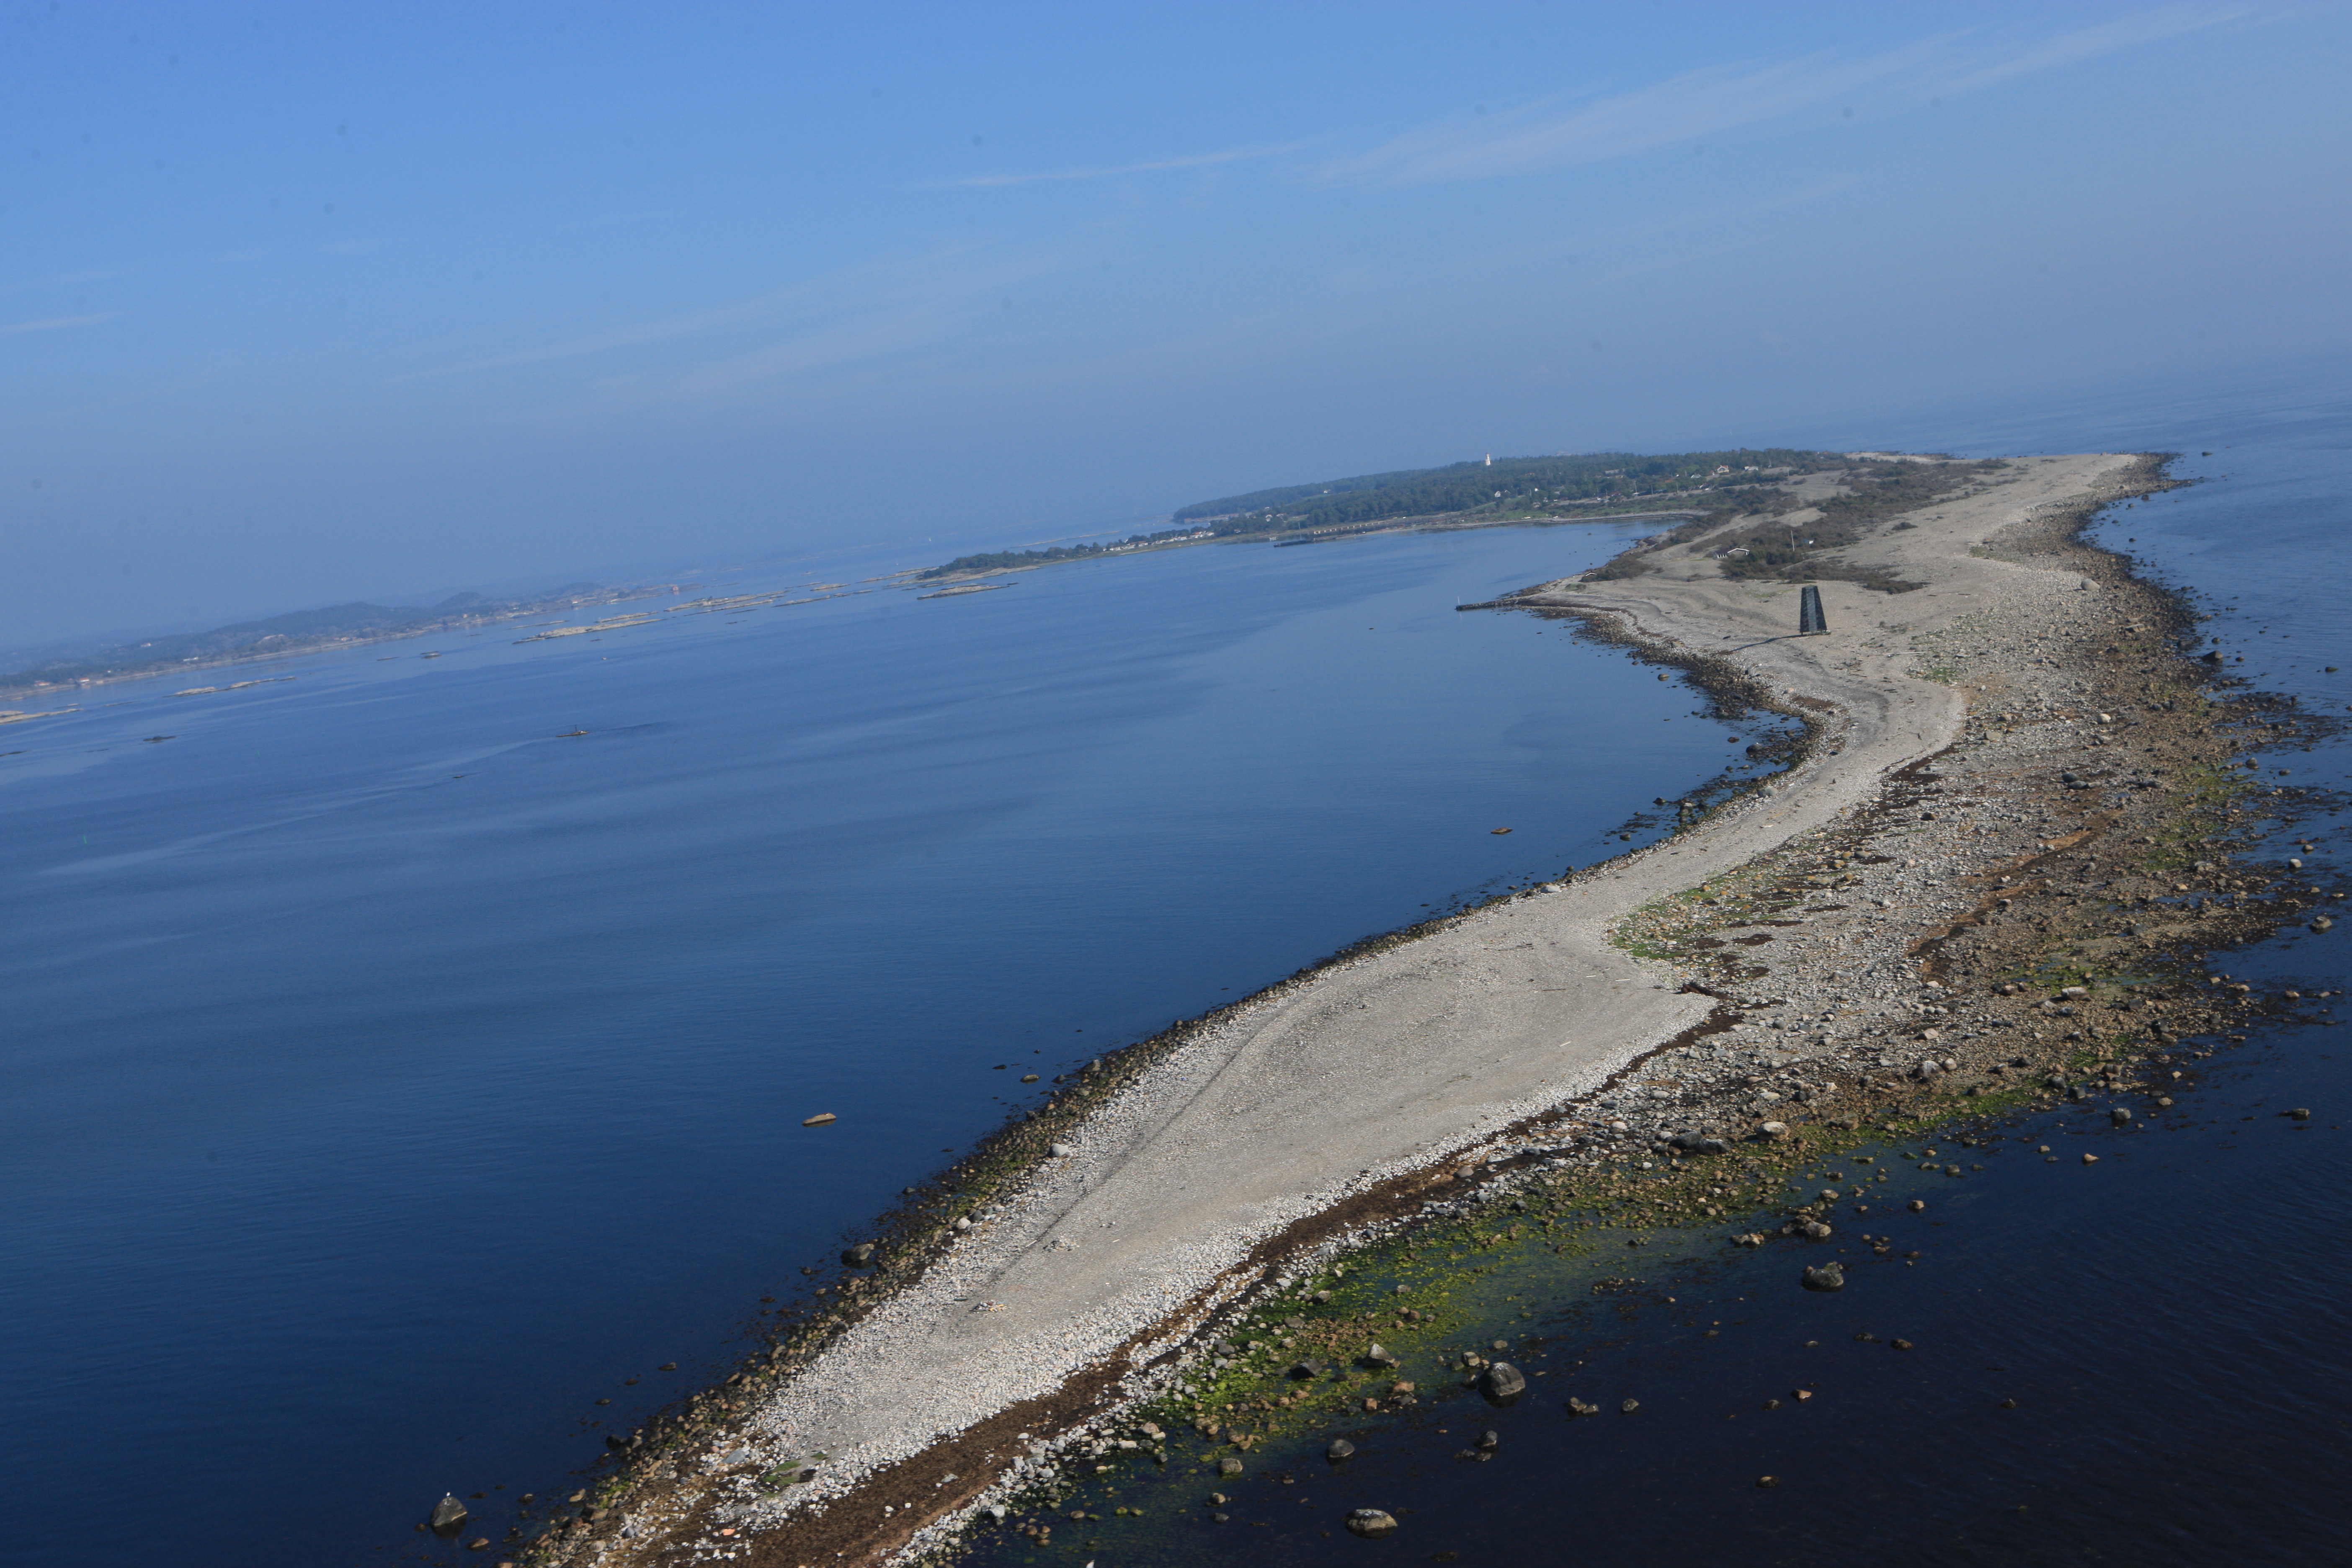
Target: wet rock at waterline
(448,1515)
(1502,1384)
(1340,1448)
(1827,1277)
(859,1257)
(1370,1523)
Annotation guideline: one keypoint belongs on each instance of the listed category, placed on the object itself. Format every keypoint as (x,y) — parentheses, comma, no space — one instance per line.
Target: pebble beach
(2014,767)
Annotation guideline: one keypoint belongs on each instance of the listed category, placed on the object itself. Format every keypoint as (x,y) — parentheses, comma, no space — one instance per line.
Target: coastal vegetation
(1504,485)
(1775,533)
(1500,490)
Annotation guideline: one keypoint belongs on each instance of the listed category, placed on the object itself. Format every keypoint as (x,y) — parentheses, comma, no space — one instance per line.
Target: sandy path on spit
(1391,1062)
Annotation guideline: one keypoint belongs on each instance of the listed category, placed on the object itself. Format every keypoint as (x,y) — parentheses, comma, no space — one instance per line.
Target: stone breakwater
(2016,794)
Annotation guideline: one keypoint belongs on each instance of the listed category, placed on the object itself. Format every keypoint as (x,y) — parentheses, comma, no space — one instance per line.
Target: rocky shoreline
(2016,907)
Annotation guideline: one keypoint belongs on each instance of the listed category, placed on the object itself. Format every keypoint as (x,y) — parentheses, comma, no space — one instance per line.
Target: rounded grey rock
(1370,1523)
(448,1515)
(1502,1384)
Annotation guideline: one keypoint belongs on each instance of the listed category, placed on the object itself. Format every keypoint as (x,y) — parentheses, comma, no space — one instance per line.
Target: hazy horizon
(307,304)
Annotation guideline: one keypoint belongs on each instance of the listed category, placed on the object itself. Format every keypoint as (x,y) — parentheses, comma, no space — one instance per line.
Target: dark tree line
(1507,483)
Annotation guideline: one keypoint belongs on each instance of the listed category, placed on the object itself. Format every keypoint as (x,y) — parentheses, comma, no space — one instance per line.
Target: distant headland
(300,632)
(1476,494)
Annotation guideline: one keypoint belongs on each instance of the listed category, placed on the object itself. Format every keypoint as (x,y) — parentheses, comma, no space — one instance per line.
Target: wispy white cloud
(2089,43)
(57,323)
(1701,103)
(1679,109)
(827,324)
(66,279)
(1197,161)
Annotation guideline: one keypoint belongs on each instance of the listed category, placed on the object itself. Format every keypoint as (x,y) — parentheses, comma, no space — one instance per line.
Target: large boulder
(1502,1384)
(448,1515)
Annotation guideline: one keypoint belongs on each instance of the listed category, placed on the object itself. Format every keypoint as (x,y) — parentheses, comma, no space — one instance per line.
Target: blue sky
(301,303)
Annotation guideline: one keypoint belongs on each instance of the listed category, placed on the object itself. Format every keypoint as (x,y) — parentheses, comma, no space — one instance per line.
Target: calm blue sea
(394,1073)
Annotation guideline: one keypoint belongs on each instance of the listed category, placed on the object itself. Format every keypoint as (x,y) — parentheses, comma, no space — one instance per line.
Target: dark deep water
(392,1074)
(2170,1323)
(367,1124)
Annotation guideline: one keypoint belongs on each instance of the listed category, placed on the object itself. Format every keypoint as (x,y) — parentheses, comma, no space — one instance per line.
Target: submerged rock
(1827,1277)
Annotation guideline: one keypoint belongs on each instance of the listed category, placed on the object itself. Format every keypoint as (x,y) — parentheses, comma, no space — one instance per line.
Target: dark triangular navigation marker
(1810,618)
